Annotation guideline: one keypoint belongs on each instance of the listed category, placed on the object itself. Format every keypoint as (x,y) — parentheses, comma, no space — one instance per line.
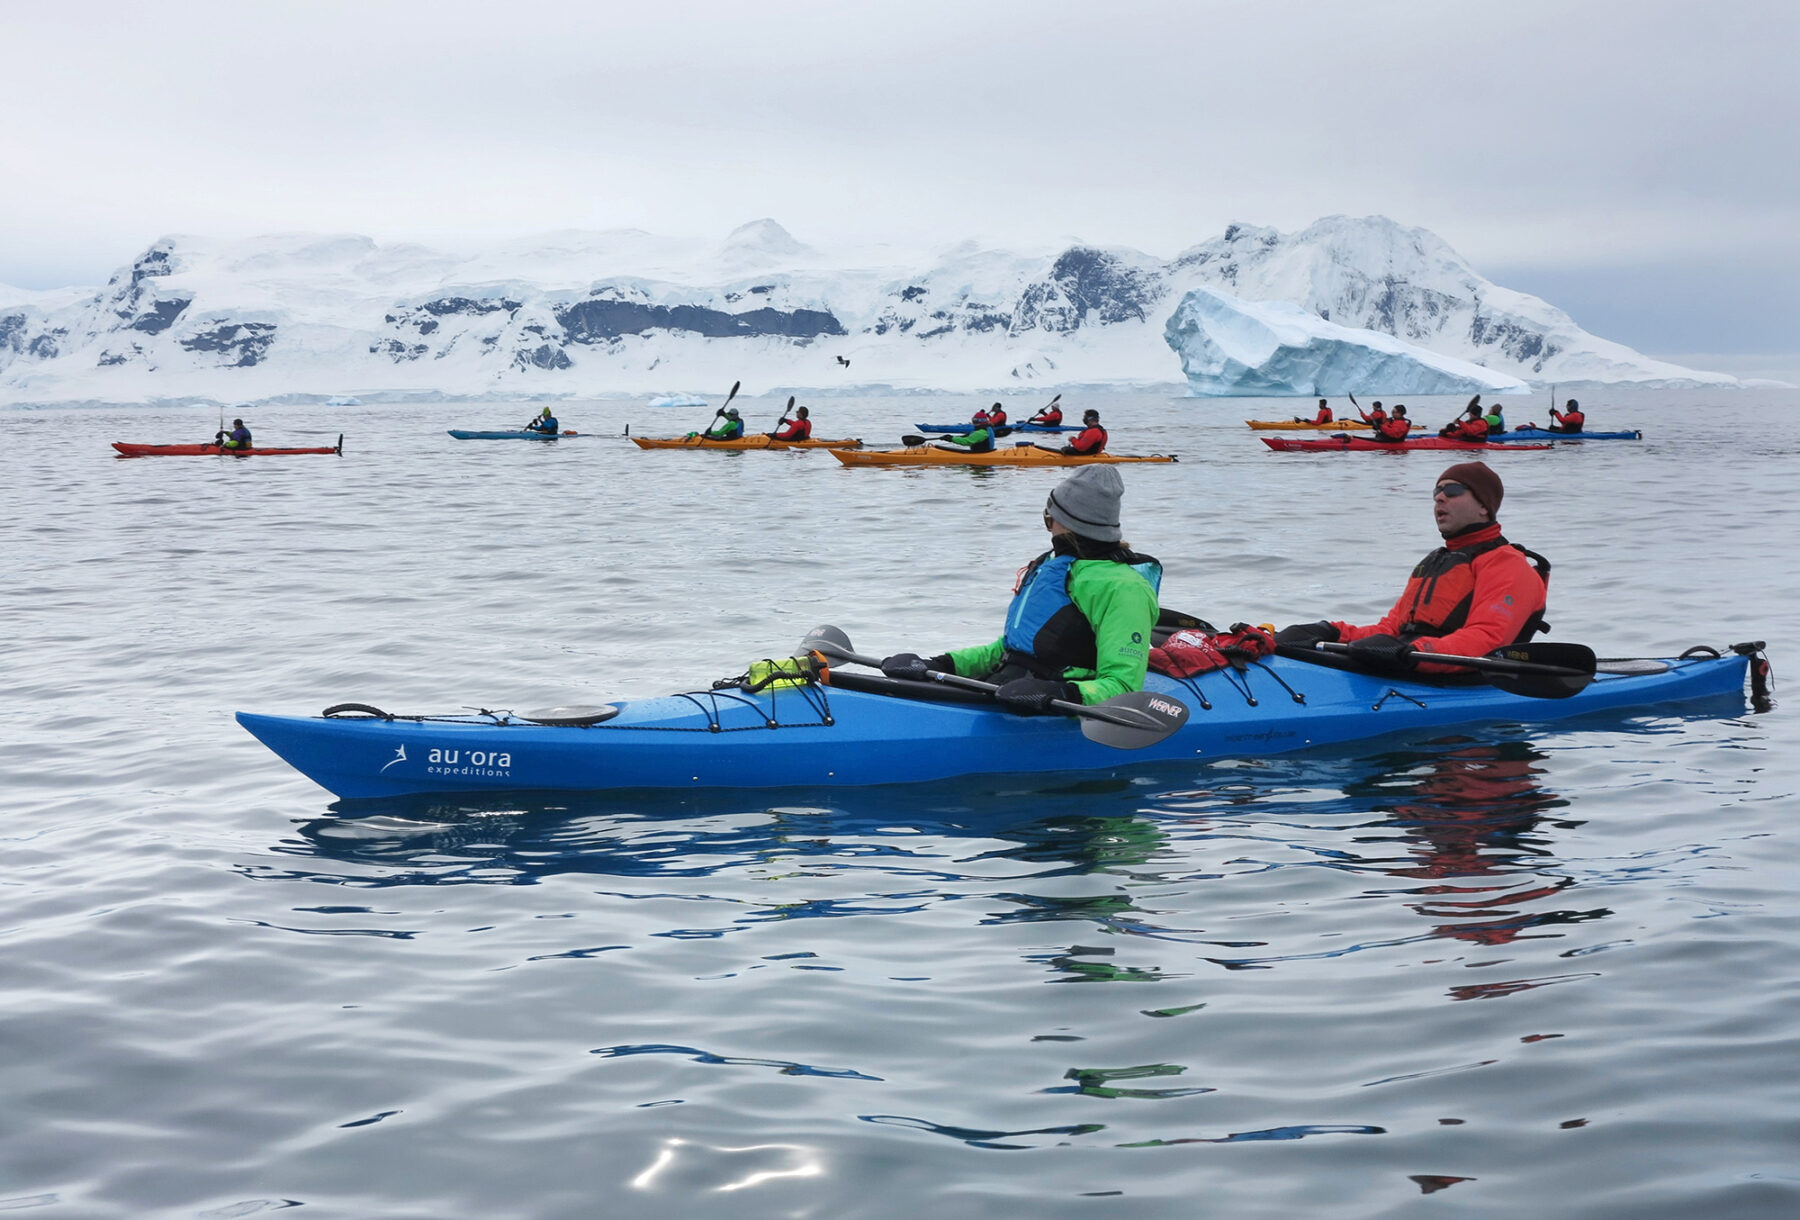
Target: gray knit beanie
(1088,502)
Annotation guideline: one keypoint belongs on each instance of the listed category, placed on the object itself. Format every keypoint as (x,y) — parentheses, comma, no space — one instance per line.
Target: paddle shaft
(1498,665)
(933,675)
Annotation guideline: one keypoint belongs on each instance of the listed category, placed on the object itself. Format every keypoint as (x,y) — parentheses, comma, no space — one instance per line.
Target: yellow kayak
(1018,455)
(746,442)
(1296,425)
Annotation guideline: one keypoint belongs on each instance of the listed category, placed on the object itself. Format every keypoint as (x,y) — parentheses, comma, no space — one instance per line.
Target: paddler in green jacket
(1082,612)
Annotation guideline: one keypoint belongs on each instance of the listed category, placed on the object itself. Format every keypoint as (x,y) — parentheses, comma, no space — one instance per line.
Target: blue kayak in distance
(1528,433)
(959,429)
(515,434)
(859,729)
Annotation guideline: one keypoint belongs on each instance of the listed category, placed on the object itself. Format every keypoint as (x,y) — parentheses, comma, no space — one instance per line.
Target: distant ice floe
(343,400)
(676,400)
(1269,349)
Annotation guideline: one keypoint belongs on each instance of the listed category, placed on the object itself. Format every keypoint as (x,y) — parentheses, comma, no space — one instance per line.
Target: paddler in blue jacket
(1082,612)
(545,423)
(237,438)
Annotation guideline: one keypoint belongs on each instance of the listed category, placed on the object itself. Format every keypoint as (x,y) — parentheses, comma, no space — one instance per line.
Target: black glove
(1032,696)
(912,667)
(1383,652)
(1305,635)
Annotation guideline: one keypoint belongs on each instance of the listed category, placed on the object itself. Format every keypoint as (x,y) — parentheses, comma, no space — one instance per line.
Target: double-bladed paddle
(1125,722)
(784,416)
(1544,670)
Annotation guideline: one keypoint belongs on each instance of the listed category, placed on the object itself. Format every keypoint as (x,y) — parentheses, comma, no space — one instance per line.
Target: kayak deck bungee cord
(816,725)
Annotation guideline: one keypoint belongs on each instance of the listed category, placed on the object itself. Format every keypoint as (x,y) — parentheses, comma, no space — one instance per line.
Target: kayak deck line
(853,731)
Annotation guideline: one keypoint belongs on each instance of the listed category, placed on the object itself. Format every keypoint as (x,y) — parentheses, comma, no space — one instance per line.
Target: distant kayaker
(1496,419)
(237,438)
(1079,625)
(978,439)
(1091,438)
(728,428)
(798,428)
(1569,419)
(997,415)
(1050,416)
(545,423)
(1375,416)
(1322,416)
(1476,593)
(1394,427)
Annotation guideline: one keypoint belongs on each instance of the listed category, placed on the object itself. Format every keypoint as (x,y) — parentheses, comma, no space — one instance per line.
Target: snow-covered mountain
(584,314)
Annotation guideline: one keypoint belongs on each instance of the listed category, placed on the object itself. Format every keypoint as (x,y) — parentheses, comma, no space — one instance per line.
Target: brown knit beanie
(1481,481)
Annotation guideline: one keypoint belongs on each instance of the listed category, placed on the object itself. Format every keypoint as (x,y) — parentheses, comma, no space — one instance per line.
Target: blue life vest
(1043,596)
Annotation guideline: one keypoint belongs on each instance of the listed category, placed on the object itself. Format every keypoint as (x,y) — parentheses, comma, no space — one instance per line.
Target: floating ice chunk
(676,400)
(1244,349)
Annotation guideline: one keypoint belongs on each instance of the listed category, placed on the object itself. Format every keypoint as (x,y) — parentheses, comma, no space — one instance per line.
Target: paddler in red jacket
(1473,426)
(1050,415)
(997,415)
(1322,416)
(1569,419)
(1374,417)
(1091,438)
(798,428)
(1394,427)
(1476,593)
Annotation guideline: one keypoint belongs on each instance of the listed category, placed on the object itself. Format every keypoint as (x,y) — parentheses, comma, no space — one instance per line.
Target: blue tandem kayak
(1529,433)
(861,730)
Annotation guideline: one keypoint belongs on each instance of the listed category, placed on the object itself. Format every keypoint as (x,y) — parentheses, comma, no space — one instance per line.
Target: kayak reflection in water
(237,438)
(1476,593)
(1468,815)
(1082,612)
(545,423)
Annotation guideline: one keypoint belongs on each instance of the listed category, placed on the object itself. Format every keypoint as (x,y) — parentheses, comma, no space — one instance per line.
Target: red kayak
(210,450)
(1311,444)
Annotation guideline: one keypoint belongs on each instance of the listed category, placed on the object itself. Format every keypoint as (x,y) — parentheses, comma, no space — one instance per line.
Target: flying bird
(843,362)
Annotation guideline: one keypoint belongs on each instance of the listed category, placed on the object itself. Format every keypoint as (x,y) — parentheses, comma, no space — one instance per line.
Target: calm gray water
(1510,971)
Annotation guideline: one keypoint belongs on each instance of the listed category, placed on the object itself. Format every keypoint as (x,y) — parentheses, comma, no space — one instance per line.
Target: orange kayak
(747,442)
(1018,455)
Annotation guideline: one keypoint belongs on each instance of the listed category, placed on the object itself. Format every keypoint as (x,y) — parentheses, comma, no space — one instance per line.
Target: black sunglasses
(1450,490)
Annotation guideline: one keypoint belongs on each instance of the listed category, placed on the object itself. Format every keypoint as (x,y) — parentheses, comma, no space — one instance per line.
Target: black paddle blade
(1133,720)
(1547,670)
(909,440)
(828,640)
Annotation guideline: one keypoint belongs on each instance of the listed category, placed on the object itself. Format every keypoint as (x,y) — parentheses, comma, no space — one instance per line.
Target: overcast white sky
(1634,161)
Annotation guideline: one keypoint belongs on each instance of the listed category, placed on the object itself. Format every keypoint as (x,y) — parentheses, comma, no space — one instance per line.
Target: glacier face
(581,314)
(1233,348)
